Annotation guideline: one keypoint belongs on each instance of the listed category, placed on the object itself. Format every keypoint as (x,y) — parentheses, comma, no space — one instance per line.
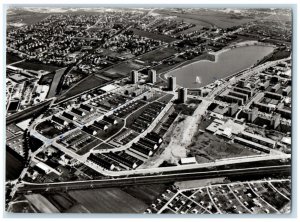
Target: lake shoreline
(216,60)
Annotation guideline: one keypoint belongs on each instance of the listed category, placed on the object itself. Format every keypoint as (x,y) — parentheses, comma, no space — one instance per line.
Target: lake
(227,63)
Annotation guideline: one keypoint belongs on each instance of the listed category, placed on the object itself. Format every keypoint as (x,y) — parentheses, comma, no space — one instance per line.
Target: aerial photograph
(148,110)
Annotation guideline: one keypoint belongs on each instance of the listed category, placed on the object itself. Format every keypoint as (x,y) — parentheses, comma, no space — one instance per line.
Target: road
(27,112)
(121,182)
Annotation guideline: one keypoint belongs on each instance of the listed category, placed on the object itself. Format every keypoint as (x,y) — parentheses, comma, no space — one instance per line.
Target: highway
(24,187)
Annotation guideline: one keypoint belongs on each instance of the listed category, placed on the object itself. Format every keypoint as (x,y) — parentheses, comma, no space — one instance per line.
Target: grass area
(12,58)
(154,36)
(207,147)
(103,146)
(110,200)
(55,82)
(158,55)
(46,79)
(88,83)
(36,66)
(124,68)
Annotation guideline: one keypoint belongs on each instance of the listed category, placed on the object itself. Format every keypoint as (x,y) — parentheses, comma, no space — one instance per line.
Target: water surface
(226,64)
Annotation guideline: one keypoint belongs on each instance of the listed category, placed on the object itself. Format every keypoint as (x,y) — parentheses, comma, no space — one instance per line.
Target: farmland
(124,68)
(41,203)
(208,18)
(11,58)
(154,36)
(36,66)
(108,201)
(26,17)
(13,165)
(158,55)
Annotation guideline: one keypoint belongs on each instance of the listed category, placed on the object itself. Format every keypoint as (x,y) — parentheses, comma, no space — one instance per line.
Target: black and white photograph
(148,109)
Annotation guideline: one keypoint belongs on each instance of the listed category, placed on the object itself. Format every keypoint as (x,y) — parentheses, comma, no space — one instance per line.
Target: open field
(108,200)
(11,58)
(154,36)
(158,55)
(86,84)
(208,147)
(124,68)
(207,18)
(41,203)
(27,17)
(36,66)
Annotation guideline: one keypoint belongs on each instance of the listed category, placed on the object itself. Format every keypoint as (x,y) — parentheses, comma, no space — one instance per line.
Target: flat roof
(108,88)
(188,160)
(259,137)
